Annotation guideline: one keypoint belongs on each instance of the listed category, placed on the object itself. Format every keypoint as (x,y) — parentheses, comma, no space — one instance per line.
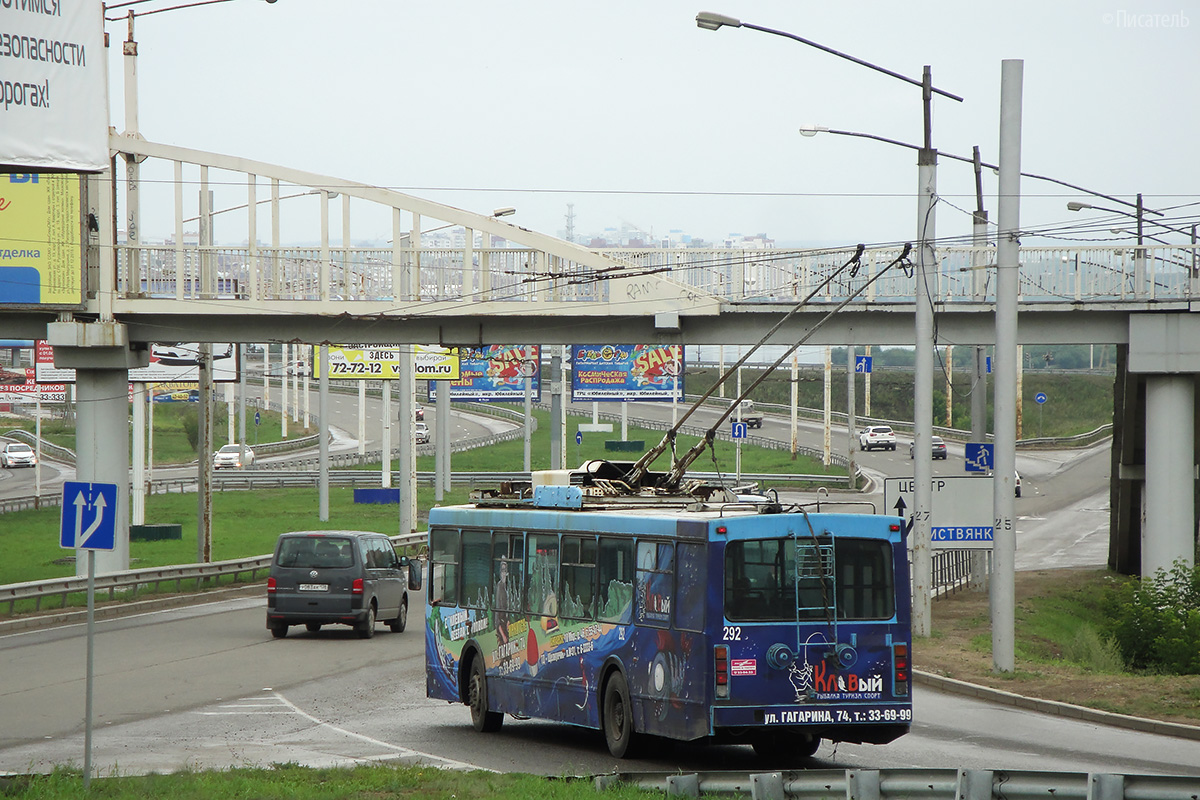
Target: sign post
(89,522)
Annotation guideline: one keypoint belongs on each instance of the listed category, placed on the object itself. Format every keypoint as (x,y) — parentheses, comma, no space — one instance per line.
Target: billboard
(19,385)
(176,362)
(41,252)
(380,362)
(606,372)
(496,373)
(54,113)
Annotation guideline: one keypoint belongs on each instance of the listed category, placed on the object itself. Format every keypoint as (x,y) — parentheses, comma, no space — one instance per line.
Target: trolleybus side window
(476,568)
(508,570)
(578,577)
(693,585)
(443,567)
(542,575)
(655,583)
(616,580)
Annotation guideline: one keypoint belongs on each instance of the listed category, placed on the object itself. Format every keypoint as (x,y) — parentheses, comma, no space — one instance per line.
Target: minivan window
(313,552)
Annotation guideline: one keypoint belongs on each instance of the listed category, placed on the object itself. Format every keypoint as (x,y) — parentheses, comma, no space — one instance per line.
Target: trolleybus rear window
(776,580)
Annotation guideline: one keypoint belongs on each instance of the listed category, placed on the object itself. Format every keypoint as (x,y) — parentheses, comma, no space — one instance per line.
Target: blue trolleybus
(689,616)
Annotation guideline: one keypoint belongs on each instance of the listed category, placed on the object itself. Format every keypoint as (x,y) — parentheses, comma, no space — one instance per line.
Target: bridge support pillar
(1170,528)
(1164,349)
(100,354)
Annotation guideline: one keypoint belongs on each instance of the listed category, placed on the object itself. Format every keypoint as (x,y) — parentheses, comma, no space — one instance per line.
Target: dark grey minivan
(337,578)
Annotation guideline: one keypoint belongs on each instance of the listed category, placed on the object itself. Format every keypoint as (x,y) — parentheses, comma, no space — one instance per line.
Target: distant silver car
(17,454)
(939,448)
(421,433)
(230,456)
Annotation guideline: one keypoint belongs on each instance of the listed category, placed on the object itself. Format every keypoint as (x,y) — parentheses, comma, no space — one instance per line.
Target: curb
(1056,708)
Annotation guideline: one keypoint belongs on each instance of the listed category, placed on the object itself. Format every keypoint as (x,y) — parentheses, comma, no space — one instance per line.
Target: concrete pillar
(102,453)
(1170,530)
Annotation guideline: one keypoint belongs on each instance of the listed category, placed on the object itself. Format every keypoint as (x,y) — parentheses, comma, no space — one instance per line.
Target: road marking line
(448,763)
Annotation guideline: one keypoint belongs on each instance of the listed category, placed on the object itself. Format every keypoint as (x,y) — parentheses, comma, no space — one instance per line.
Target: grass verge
(1061,651)
(301,783)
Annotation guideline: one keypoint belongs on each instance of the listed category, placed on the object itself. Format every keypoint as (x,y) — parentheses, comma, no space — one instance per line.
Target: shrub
(1156,621)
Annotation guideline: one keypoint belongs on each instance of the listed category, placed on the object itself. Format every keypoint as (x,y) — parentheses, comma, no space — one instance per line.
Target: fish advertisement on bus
(616,372)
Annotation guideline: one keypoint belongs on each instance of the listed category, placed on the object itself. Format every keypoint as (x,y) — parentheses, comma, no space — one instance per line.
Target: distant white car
(421,433)
(881,436)
(17,454)
(230,456)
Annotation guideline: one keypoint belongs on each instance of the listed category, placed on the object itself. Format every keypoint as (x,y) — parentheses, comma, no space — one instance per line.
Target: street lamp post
(923,392)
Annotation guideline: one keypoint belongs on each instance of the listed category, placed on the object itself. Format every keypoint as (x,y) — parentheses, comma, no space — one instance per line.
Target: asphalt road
(207,686)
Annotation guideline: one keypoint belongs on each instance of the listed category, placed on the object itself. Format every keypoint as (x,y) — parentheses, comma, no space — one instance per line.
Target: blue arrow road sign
(739,430)
(578,437)
(1040,398)
(89,516)
(257,418)
(862,363)
(980,457)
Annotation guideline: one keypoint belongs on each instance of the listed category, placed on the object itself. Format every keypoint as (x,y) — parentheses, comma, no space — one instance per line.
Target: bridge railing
(1056,274)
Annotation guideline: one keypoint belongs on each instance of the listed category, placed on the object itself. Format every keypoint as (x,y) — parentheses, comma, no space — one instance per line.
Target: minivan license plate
(314,587)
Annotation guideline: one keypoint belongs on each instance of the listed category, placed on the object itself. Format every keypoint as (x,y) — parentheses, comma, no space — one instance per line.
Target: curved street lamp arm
(849,57)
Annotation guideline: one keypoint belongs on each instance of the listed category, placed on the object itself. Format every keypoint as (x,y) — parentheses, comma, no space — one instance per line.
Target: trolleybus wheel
(622,740)
(484,721)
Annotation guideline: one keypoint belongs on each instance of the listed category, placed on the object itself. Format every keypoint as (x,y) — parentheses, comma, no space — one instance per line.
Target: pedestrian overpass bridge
(490,282)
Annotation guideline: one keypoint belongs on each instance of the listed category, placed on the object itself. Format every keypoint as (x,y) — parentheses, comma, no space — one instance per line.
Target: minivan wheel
(366,629)
(278,631)
(397,625)
(312,627)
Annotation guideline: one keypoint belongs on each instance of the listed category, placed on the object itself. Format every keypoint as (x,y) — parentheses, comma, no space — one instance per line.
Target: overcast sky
(630,112)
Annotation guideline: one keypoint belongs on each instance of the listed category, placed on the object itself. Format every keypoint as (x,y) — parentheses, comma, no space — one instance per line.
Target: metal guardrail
(131,582)
(905,784)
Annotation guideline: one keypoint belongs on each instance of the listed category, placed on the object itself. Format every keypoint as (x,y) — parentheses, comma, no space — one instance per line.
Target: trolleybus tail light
(270,586)
(722,530)
(900,663)
(357,587)
(894,528)
(721,669)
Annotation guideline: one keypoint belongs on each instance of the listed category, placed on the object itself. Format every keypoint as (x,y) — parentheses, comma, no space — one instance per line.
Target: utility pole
(851,441)
(1007,282)
(204,457)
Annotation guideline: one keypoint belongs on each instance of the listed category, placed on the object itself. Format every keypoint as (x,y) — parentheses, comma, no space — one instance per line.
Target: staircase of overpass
(485,281)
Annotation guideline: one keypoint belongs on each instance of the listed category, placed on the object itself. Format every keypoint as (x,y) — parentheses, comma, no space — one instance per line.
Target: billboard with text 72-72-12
(626,372)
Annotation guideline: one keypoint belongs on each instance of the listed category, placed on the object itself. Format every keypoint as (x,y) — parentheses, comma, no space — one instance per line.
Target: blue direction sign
(257,418)
(1039,398)
(578,437)
(980,457)
(989,365)
(89,516)
(862,363)
(739,430)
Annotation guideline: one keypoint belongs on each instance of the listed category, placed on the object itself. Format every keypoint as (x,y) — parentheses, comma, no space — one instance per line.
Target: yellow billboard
(41,257)
(381,362)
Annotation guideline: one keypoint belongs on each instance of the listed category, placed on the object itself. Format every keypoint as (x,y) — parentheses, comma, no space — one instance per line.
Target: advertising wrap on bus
(725,624)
